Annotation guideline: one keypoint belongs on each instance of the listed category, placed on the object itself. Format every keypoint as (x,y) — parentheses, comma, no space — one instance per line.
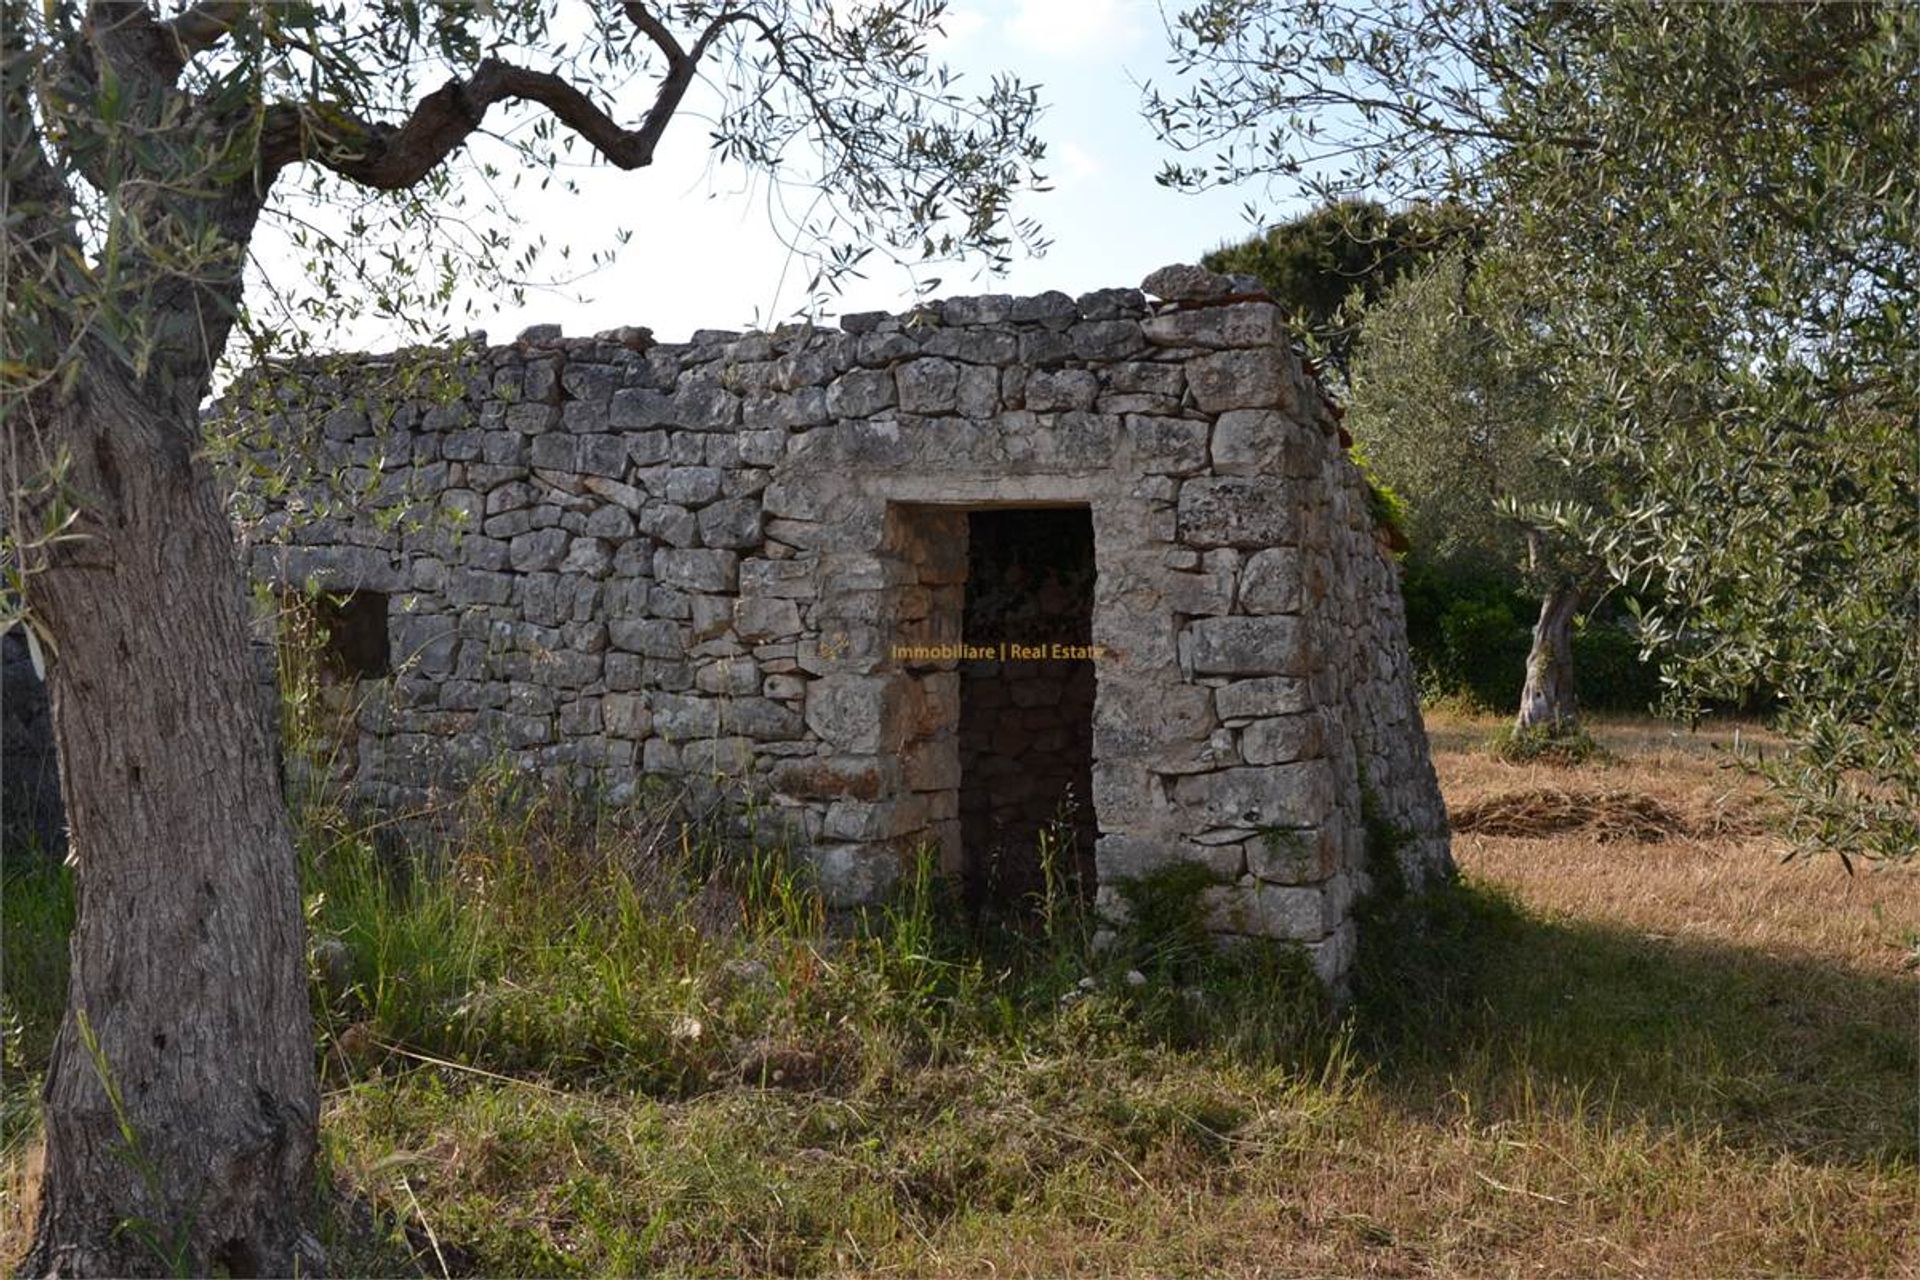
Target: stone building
(1092,569)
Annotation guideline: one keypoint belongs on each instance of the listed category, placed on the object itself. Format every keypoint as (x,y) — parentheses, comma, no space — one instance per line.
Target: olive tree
(140,152)
(1713,217)
(1328,265)
(1461,431)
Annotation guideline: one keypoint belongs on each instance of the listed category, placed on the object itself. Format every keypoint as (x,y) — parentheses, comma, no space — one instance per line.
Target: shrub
(1541,745)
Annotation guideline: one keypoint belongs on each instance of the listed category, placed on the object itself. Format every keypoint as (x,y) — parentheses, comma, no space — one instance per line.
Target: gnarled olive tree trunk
(1547,702)
(181,1101)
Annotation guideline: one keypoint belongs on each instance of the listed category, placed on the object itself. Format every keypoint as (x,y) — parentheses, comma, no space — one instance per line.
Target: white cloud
(1076,28)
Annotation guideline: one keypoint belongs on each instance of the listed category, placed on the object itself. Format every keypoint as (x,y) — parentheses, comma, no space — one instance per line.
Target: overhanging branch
(392,158)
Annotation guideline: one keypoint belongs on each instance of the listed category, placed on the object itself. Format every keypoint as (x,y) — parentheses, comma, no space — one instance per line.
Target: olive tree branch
(392,158)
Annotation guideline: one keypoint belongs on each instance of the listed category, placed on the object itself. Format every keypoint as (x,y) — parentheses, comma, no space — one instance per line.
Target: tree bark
(1547,702)
(181,1102)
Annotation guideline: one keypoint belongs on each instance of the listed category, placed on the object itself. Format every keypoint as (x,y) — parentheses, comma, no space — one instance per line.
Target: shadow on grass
(1466,995)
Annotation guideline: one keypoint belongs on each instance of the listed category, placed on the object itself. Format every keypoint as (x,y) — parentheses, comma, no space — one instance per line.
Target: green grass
(1545,744)
(578,1038)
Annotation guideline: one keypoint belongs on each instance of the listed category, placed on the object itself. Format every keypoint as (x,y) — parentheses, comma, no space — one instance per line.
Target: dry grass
(1606,815)
(1667,1054)
(1728,886)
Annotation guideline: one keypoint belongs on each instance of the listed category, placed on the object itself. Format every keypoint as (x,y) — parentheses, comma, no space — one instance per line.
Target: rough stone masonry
(715,560)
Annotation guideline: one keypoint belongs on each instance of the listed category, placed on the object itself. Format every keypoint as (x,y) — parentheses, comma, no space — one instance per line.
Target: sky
(704,254)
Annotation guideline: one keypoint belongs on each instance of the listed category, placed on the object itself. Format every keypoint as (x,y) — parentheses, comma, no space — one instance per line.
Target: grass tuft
(1545,745)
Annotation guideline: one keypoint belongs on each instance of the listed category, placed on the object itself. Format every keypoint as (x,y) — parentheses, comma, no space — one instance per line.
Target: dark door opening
(1027,823)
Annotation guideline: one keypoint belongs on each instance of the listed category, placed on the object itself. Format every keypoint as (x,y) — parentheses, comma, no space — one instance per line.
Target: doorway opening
(1027,824)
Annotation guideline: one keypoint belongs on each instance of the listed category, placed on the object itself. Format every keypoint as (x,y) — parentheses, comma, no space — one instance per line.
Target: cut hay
(1606,815)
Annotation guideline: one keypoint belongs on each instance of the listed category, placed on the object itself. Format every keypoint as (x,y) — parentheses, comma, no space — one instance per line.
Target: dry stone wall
(733,561)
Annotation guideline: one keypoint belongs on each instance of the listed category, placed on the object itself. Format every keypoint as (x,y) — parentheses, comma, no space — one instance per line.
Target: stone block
(1110,304)
(736,676)
(1293,855)
(532,419)
(973,346)
(692,486)
(1141,719)
(1039,348)
(650,637)
(1281,739)
(601,455)
(1051,305)
(1264,696)
(851,875)
(786,687)
(928,385)
(730,523)
(1287,795)
(587,381)
(1185,283)
(625,715)
(932,766)
(649,448)
(1051,390)
(1107,340)
(1250,442)
(1262,910)
(583,416)
(610,522)
(856,714)
(538,550)
(1238,512)
(875,819)
(703,405)
(860,393)
(674,525)
(768,618)
(1174,446)
(763,448)
(1332,956)
(1240,646)
(779,579)
(1241,324)
(657,755)
(696,569)
(725,757)
(589,557)
(762,719)
(1271,581)
(1132,857)
(829,777)
(712,616)
(679,717)
(624,496)
(979,393)
(992,308)
(1256,378)
(804,407)
(336,568)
